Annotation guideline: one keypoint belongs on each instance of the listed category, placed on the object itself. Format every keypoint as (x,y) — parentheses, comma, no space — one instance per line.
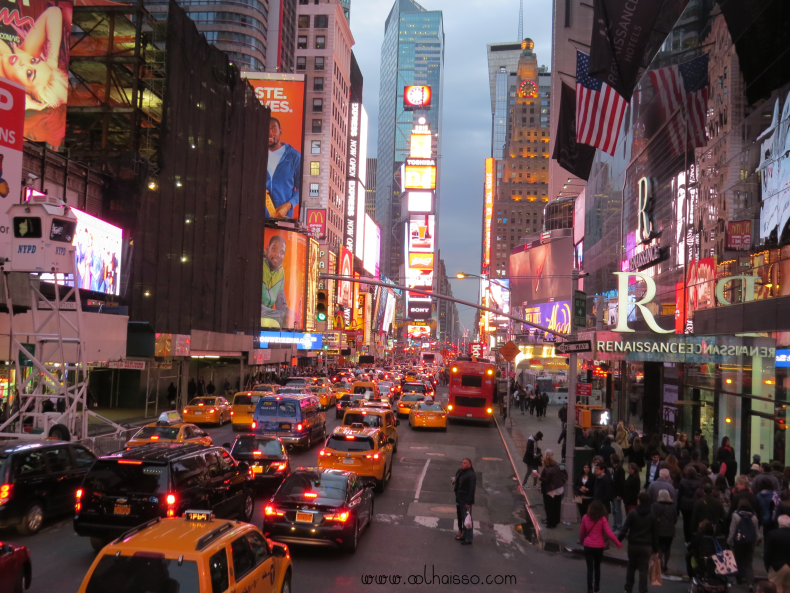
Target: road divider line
(419,482)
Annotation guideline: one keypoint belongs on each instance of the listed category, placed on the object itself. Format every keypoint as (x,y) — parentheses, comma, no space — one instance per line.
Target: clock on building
(528,88)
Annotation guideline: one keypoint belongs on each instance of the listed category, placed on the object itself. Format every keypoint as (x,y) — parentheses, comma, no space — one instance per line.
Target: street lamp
(462,275)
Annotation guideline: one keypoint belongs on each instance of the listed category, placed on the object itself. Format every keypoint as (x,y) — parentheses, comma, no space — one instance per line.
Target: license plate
(257,469)
(304,517)
(197,413)
(348,460)
(122,509)
(285,426)
(468,415)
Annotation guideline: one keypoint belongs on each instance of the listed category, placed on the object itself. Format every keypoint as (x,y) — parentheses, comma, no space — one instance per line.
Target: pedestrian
(708,507)
(688,486)
(464,485)
(651,473)
(621,436)
(210,389)
(593,533)
(664,482)
(226,387)
(171,394)
(532,401)
(191,388)
(636,452)
(722,490)
(641,529)
(702,468)
(700,445)
(532,457)
(744,535)
(563,416)
(666,513)
(552,486)
(618,485)
(583,488)
(631,488)
(585,439)
(726,455)
(776,555)
(563,439)
(544,403)
(607,451)
(603,489)
(671,463)
(201,387)
(769,500)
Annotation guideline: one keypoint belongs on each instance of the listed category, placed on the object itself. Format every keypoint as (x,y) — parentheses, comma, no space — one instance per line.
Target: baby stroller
(706,576)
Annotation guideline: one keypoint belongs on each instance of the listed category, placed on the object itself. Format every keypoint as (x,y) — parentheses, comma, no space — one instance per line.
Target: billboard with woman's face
(345,267)
(283,293)
(34,53)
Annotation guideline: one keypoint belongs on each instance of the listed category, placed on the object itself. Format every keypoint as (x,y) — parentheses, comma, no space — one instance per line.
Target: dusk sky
(468,26)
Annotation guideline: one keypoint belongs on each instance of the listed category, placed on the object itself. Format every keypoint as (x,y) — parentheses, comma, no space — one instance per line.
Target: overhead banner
(12,125)
(575,158)
(284,94)
(284,278)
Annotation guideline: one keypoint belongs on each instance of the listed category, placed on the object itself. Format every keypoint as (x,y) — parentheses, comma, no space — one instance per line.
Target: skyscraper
(502,70)
(281,36)
(412,53)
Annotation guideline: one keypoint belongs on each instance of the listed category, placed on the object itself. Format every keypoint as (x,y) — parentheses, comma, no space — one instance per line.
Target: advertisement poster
(345,267)
(284,95)
(12,124)
(739,235)
(540,274)
(316,222)
(421,233)
(418,332)
(372,255)
(284,264)
(313,255)
(34,53)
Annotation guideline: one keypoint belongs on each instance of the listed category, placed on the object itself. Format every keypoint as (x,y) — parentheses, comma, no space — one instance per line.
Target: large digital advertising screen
(421,233)
(419,201)
(11,147)
(418,332)
(372,259)
(345,267)
(284,278)
(303,341)
(284,94)
(419,174)
(542,273)
(495,294)
(416,96)
(420,146)
(35,54)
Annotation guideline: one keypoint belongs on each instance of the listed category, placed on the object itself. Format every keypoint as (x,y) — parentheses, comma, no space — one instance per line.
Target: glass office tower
(412,53)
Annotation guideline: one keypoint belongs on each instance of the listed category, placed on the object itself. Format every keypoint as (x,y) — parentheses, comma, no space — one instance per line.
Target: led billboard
(316,222)
(419,201)
(421,146)
(418,332)
(345,267)
(488,213)
(419,174)
(421,261)
(416,97)
(303,341)
(541,272)
(354,232)
(421,233)
(372,259)
(495,294)
(313,255)
(555,316)
(11,146)
(419,310)
(284,94)
(284,278)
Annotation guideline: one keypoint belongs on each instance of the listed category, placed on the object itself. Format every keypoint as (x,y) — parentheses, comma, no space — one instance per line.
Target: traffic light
(320,305)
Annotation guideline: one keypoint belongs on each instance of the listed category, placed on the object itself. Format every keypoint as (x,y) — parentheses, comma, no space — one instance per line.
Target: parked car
(16,570)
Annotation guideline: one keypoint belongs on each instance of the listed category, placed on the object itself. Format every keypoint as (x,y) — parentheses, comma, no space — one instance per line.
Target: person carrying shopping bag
(464,485)
(593,533)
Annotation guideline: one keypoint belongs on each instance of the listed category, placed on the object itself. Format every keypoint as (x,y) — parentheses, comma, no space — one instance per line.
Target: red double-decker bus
(472,387)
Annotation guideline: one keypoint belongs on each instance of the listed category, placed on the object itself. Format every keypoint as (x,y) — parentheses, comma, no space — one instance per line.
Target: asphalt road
(411,539)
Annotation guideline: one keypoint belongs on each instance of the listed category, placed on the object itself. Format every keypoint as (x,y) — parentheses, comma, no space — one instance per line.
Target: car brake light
(349,437)
(270,510)
(258,453)
(200,405)
(211,411)
(299,427)
(374,456)
(171,499)
(310,495)
(232,412)
(185,410)
(321,453)
(337,517)
(280,466)
(79,493)
(254,424)
(444,415)
(154,438)
(5,493)
(130,462)
(339,405)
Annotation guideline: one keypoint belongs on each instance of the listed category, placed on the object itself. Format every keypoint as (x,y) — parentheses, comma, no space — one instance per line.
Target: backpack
(745,533)
(766,500)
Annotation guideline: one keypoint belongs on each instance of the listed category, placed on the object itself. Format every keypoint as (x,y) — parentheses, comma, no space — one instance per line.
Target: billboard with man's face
(284,265)
(345,267)
(284,95)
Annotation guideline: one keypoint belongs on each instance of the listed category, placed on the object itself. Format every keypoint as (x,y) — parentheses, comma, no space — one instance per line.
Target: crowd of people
(645,487)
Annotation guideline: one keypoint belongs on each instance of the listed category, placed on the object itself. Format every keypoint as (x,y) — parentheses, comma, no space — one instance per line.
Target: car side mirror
(244,467)
(279,551)
(226,445)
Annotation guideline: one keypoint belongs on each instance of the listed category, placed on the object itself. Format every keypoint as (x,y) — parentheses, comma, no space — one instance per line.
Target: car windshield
(362,389)
(327,486)
(349,443)
(361,418)
(143,574)
(385,385)
(267,407)
(430,407)
(344,398)
(247,445)
(159,432)
(127,477)
(202,401)
(413,397)
(269,388)
(245,400)
(414,388)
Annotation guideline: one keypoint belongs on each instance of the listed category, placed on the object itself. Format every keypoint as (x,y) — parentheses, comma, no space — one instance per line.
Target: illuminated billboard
(11,147)
(495,294)
(421,233)
(284,278)
(419,201)
(419,310)
(418,332)
(416,97)
(556,316)
(356,153)
(284,94)
(489,212)
(541,272)
(316,222)
(421,261)
(372,259)
(313,255)
(303,341)
(421,146)
(345,267)
(419,174)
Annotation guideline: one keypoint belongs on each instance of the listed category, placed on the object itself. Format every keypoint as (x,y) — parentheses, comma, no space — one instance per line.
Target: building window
(313,186)
(320,41)
(304,21)
(318,83)
(301,63)
(303,2)
(318,105)
(319,62)
(315,145)
(301,42)
(315,168)
(321,21)
(317,125)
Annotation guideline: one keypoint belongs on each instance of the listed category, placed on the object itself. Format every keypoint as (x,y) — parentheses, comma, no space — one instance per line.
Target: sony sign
(419,310)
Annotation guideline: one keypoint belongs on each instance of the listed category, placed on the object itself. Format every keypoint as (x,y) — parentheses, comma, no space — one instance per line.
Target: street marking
(382,518)
(504,533)
(419,447)
(427,521)
(419,482)
(492,459)
(436,454)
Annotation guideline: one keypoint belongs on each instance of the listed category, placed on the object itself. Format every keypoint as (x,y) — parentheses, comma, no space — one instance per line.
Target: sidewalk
(567,536)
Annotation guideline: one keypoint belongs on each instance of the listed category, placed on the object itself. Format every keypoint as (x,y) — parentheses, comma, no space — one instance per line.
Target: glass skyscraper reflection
(412,53)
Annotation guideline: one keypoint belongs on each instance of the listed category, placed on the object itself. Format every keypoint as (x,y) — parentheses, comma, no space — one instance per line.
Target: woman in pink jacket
(592,535)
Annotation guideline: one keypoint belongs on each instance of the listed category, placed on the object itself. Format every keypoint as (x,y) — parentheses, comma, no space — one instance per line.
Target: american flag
(684,86)
(599,109)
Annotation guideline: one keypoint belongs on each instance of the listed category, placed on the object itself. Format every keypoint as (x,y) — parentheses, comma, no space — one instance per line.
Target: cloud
(466,128)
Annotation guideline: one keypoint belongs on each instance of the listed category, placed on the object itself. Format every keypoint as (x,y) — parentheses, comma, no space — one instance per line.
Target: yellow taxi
(195,553)
(243,408)
(266,388)
(169,429)
(375,415)
(208,410)
(407,401)
(327,397)
(428,414)
(364,450)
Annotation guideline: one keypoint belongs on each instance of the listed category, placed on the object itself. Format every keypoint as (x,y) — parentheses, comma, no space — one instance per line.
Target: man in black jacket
(641,528)
(777,555)
(585,439)
(464,485)
(533,459)
(604,489)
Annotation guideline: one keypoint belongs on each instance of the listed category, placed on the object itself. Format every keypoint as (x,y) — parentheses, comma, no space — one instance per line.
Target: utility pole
(570,512)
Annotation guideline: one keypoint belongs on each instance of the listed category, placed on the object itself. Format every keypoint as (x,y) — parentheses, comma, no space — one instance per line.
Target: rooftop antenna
(520,20)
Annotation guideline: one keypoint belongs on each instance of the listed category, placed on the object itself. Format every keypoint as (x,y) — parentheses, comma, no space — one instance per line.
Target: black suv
(124,489)
(39,479)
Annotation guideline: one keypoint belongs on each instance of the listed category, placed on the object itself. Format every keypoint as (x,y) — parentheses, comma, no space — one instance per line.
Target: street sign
(580,310)
(445,353)
(583,389)
(568,347)
(509,351)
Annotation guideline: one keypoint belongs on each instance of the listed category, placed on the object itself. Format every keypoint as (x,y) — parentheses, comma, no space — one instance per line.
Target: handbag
(655,571)
(724,560)
(468,520)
